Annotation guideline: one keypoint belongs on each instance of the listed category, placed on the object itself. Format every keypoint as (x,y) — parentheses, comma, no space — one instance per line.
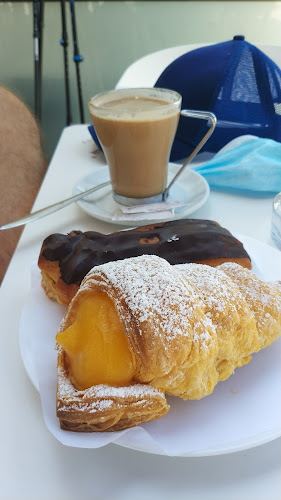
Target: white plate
(191,189)
(243,412)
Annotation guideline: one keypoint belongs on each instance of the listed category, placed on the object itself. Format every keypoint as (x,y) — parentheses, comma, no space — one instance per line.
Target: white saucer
(191,190)
(242,412)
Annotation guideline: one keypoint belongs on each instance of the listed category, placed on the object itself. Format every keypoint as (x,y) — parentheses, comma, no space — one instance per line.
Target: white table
(33,465)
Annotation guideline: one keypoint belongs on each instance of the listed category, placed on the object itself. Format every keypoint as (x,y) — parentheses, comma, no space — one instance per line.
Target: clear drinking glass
(136,128)
(276,221)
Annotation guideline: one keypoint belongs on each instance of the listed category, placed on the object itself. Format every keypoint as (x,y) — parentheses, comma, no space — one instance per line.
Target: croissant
(141,328)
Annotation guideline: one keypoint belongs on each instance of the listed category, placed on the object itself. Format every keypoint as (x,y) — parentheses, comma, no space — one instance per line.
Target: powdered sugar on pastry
(161,314)
(139,391)
(229,312)
(147,297)
(262,298)
(103,407)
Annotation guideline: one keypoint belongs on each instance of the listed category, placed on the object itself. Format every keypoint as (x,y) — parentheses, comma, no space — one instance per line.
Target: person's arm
(22,168)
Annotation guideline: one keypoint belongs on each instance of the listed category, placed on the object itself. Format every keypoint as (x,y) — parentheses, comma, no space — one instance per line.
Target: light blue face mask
(247,165)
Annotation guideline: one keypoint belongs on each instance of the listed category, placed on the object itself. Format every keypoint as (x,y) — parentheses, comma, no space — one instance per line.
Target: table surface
(33,464)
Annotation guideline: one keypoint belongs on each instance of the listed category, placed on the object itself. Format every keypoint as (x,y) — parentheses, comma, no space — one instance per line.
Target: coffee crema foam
(136,108)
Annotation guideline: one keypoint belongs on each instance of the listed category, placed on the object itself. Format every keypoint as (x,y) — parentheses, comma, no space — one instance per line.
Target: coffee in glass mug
(136,129)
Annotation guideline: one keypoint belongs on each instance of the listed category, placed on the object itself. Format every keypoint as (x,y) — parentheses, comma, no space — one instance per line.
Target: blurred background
(111,35)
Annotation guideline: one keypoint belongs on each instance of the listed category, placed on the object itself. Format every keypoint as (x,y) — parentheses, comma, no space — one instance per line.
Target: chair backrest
(145,71)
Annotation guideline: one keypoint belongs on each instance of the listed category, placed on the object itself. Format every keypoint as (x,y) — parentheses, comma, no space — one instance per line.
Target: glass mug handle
(205,115)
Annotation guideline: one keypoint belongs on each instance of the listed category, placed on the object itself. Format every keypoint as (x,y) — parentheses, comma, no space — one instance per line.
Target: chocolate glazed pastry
(65,259)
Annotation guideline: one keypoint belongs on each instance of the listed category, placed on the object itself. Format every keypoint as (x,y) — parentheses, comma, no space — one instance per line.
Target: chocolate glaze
(182,241)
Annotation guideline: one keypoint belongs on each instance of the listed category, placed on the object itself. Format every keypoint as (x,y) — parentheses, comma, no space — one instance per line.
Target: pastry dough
(187,327)
(65,259)
(262,298)
(106,408)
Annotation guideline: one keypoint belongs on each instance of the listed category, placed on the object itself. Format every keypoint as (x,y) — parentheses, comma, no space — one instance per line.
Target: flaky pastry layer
(105,408)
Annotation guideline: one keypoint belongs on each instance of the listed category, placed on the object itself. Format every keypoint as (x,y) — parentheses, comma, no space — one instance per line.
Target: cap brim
(94,136)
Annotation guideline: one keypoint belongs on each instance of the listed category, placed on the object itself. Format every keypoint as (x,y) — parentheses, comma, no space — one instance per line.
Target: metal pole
(37,97)
(38,15)
(64,44)
(41,23)
(77,59)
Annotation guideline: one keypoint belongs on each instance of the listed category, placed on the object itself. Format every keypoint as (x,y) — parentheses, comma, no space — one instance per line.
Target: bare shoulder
(20,133)
(22,167)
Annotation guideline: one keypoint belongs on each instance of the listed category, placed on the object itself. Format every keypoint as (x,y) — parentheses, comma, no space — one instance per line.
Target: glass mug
(136,128)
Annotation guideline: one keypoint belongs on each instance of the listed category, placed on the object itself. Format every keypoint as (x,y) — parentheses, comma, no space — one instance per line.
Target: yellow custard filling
(96,345)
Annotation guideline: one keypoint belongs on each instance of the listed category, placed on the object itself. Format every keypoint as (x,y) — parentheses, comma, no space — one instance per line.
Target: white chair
(145,71)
